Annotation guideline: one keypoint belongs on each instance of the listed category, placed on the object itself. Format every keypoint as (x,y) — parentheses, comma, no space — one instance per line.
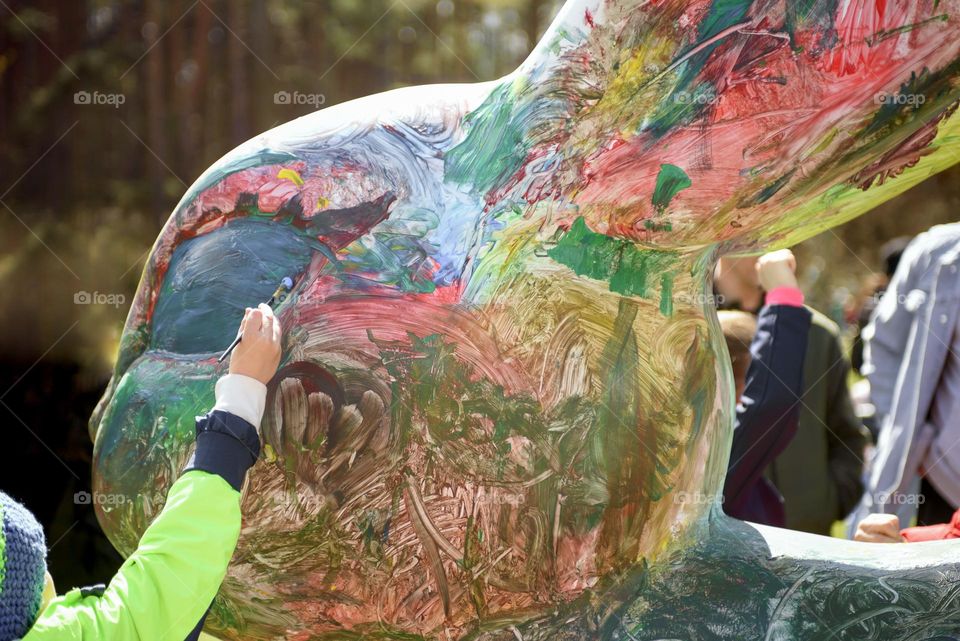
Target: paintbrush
(285,286)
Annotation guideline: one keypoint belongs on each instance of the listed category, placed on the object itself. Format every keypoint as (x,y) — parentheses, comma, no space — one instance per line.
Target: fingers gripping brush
(284,287)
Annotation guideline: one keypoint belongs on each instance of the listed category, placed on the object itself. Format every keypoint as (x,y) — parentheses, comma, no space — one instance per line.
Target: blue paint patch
(212,279)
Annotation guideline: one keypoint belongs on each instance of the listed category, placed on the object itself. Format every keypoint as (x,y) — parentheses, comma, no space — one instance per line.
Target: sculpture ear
(808,195)
(777,115)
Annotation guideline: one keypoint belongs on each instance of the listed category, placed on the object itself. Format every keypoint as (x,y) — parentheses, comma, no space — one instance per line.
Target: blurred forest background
(109,109)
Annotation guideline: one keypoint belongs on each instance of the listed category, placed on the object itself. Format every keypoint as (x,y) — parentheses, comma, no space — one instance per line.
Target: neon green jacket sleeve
(164,588)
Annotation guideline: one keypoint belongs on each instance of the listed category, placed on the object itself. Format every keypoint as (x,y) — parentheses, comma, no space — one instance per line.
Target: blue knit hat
(23,566)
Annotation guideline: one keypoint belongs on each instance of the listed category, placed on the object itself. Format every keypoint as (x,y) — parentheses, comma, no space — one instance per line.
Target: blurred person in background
(766,354)
(819,473)
(885,528)
(872,290)
(738,329)
(858,317)
(912,359)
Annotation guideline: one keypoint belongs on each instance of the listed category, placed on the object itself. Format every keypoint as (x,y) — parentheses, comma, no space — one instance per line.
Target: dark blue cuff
(227,446)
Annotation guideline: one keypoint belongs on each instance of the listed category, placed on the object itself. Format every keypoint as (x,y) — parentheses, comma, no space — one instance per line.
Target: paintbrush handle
(285,285)
(226,353)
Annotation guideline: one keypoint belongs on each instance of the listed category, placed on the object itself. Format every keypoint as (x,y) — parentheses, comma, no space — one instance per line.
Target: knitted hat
(23,551)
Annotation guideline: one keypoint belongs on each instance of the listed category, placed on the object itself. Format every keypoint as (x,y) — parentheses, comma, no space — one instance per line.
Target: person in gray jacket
(912,359)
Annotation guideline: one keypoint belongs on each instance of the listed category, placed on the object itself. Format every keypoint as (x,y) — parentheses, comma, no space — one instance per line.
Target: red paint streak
(858,24)
(589,18)
(759,129)
(906,155)
(349,318)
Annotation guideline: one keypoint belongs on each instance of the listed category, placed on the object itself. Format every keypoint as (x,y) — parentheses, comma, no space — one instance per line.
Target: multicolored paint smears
(501,411)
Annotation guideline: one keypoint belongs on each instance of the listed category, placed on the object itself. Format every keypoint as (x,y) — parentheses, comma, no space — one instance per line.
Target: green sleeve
(166,585)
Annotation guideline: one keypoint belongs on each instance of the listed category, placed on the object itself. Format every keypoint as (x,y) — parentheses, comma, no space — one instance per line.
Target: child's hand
(879,528)
(777,269)
(258,354)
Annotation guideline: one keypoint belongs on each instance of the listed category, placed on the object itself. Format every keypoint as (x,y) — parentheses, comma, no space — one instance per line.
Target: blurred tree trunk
(68,41)
(189,136)
(462,16)
(260,78)
(178,81)
(191,79)
(531,22)
(438,49)
(239,93)
(156,109)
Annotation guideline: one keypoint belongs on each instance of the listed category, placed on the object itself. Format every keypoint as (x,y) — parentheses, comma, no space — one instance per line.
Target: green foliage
(199,78)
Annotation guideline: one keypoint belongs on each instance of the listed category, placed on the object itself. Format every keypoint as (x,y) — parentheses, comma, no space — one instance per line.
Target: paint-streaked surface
(504,403)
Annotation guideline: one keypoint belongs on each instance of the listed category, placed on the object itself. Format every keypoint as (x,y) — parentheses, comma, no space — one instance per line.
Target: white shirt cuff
(242,396)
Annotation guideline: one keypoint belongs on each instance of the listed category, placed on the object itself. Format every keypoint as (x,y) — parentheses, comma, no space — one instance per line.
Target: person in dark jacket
(820,473)
(768,408)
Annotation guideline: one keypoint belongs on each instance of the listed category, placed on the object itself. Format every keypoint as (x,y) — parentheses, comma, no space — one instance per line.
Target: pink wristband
(791,296)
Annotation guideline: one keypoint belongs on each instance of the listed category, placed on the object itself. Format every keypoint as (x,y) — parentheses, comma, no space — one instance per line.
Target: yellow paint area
(291,175)
(845,202)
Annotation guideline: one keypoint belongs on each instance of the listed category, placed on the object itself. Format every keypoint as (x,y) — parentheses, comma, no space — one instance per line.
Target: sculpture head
(502,379)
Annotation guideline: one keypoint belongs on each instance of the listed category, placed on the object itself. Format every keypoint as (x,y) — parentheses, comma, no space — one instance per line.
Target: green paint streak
(804,14)
(670,181)
(889,33)
(684,105)
(630,273)
(626,450)
(913,95)
(620,262)
(587,253)
(768,191)
(677,107)
(495,146)
(666,294)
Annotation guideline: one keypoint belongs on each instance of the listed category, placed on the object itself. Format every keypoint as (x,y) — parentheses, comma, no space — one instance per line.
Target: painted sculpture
(504,409)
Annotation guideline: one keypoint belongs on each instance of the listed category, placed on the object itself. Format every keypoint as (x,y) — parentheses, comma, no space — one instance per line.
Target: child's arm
(767,416)
(168,583)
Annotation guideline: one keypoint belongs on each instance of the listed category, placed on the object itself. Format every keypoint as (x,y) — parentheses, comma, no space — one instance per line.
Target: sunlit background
(109,109)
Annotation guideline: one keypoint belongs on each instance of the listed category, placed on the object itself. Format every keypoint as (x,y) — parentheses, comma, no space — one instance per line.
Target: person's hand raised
(777,269)
(258,353)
